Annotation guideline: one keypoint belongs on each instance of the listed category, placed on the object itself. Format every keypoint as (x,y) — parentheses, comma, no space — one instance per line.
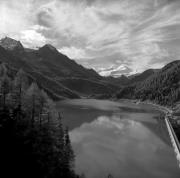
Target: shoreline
(167,117)
(164,109)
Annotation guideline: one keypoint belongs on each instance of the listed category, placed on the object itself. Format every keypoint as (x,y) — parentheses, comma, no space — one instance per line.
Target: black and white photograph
(90,88)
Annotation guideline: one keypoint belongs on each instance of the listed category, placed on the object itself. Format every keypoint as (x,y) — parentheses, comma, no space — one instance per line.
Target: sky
(114,37)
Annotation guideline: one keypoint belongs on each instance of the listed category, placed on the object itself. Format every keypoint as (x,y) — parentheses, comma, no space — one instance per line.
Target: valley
(96,109)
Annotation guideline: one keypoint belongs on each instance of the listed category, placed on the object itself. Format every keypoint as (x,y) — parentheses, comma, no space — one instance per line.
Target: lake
(121,139)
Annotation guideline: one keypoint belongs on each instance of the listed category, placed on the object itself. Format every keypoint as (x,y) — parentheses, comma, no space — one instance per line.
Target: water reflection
(122,147)
(118,138)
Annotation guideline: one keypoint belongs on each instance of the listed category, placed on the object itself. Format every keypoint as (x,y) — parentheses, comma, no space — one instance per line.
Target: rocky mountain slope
(57,73)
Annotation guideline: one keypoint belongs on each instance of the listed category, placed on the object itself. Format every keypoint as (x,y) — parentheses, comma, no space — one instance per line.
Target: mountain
(142,76)
(120,81)
(87,87)
(48,55)
(10,44)
(54,71)
(162,87)
(127,80)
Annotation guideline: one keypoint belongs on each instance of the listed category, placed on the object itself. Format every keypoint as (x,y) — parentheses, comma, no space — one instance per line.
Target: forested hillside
(49,68)
(34,143)
(162,87)
(132,79)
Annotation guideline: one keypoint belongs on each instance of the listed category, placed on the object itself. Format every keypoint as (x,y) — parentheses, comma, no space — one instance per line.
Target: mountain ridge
(163,87)
(60,75)
(48,66)
(11,44)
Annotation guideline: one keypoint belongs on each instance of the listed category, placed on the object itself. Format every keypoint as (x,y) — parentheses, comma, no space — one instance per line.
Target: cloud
(115,145)
(98,33)
(13,16)
(31,38)
(18,20)
(74,52)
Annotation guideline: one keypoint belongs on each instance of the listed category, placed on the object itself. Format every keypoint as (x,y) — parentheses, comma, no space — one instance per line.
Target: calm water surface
(119,138)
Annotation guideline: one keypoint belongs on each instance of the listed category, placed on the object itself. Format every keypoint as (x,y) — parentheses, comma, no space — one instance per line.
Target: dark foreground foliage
(33,140)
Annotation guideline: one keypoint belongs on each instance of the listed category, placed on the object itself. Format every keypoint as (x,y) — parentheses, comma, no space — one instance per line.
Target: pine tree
(32,101)
(43,99)
(60,146)
(70,157)
(3,69)
(5,87)
(46,107)
(20,85)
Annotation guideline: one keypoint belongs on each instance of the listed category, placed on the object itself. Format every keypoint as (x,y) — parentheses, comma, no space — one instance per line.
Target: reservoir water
(121,139)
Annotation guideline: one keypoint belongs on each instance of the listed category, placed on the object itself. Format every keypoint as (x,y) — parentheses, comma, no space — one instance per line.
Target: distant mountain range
(62,77)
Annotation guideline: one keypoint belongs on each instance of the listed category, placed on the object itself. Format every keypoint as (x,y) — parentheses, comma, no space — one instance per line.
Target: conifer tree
(70,157)
(5,88)
(32,101)
(20,85)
